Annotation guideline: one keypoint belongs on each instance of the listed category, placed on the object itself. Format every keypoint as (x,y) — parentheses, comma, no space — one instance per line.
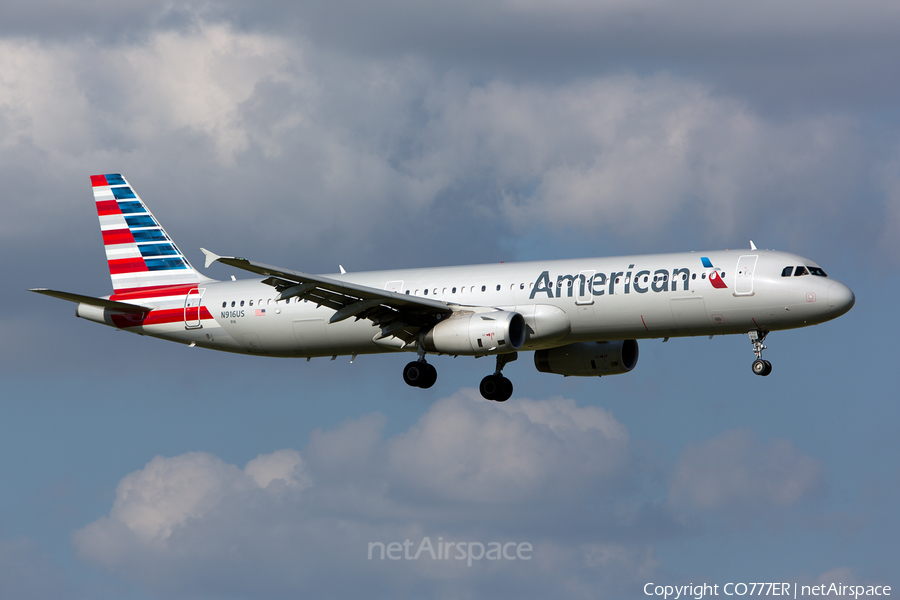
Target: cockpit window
(800,271)
(817,271)
(786,272)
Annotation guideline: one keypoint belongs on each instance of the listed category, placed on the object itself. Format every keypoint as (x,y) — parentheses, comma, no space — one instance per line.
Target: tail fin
(140,253)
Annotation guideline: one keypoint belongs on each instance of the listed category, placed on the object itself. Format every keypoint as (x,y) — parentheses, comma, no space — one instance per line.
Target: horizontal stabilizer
(91,301)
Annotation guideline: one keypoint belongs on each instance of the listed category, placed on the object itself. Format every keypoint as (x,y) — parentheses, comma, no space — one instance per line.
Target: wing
(398,315)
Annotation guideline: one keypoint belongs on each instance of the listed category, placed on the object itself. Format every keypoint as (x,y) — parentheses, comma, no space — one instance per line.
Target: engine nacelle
(492,332)
(588,359)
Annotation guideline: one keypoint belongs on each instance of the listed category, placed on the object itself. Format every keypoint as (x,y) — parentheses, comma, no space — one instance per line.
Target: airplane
(580,317)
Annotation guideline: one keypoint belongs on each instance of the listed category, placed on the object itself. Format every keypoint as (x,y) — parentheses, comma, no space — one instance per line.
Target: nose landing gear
(759,366)
(497,387)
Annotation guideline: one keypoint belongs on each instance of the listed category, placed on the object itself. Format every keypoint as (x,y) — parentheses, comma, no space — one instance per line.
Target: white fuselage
(563,301)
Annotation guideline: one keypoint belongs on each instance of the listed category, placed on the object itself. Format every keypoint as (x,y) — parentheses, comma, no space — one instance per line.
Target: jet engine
(588,359)
(493,332)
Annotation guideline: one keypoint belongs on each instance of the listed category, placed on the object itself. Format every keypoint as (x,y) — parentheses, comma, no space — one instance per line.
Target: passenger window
(453,291)
(224,304)
(242,303)
(521,286)
(786,272)
(498,287)
(426,291)
(483,288)
(800,271)
(251,303)
(232,304)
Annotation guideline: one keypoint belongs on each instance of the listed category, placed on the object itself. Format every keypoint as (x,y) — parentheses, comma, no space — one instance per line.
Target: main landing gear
(420,374)
(497,387)
(759,366)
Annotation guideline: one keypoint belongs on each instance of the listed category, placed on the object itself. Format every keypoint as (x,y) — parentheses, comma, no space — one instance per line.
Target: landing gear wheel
(419,374)
(496,387)
(506,390)
(489,387)
(430,376)
(761,367)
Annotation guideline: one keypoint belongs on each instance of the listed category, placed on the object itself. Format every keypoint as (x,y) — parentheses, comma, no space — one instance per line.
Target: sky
(379,135)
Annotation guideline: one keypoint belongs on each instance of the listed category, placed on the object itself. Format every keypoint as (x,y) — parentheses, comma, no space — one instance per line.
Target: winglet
(752,245)
(211,257)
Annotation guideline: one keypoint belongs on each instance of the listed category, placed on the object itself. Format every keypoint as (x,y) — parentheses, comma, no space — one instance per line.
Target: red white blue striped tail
(142,257)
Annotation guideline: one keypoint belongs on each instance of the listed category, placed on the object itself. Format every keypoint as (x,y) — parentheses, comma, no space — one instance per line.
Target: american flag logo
(260,312)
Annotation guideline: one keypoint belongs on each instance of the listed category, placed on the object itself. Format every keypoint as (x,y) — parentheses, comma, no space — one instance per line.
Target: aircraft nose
(840,298)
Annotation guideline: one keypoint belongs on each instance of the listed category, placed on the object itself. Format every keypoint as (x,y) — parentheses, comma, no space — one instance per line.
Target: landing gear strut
(419,373)
(759,366)
(497,387)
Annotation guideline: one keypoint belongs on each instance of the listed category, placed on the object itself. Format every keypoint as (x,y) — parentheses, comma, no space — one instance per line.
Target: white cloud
(291,522)
(71,98)
(737,475)
(499,457)
(192,485)
(551,473)
(634,156)
(364,146)
(283,467)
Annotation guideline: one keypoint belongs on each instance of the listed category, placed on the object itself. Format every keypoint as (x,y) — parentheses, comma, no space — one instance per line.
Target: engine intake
(588,359)
(493,332)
